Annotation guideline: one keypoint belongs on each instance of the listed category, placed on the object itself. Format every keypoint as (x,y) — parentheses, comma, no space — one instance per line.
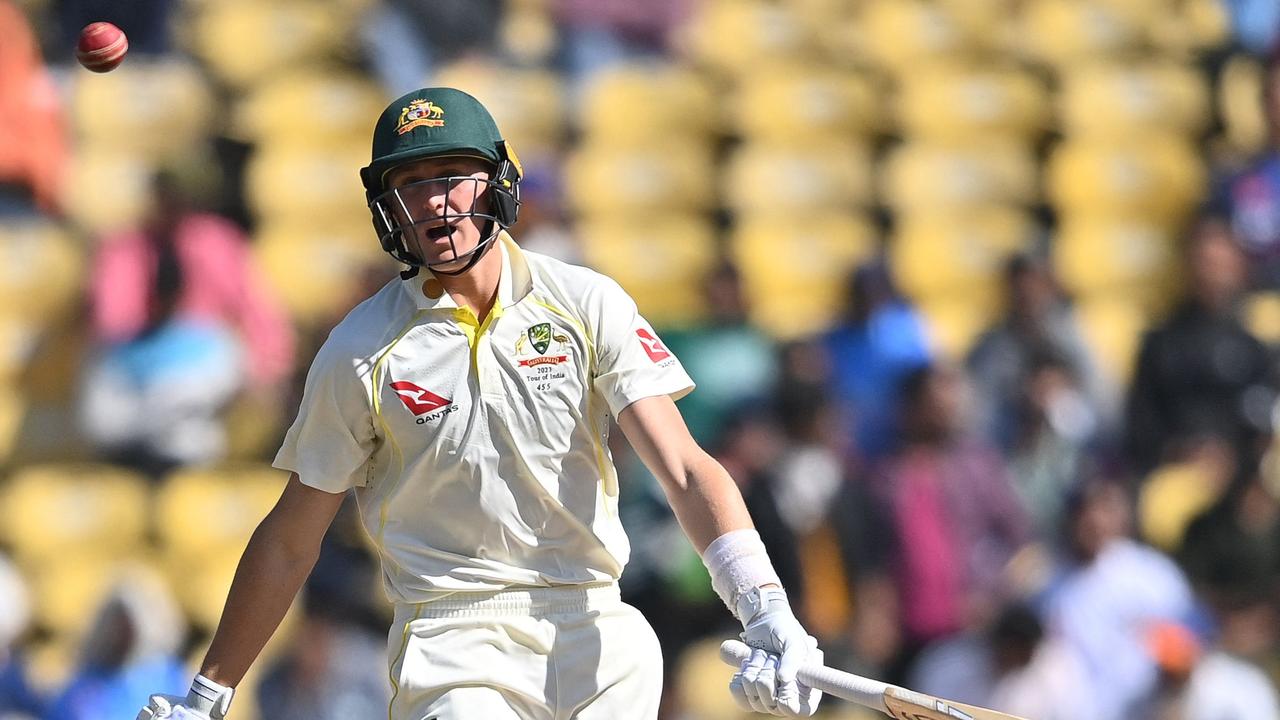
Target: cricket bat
(889,699)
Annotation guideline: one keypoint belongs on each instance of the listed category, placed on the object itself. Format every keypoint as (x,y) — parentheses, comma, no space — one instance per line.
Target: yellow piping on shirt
(391,671)
(608,480)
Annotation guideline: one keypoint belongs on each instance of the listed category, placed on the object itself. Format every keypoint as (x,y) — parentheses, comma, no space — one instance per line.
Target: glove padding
(766,682)
(169,707)
(206,700)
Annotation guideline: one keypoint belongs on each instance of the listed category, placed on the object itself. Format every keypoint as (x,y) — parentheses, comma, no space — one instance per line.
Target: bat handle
(854,688)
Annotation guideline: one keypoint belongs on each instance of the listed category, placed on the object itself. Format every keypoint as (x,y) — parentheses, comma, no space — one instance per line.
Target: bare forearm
(706,501)
(266,581)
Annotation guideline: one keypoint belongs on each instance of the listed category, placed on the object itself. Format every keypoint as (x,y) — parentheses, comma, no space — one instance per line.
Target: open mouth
(440,232)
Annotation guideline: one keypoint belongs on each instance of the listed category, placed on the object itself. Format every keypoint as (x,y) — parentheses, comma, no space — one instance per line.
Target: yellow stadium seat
(951,103)
(13,408)
(736,38)
(1065,32)
(203,511)
(107,189)
(796,272)
(796,177)
(244,42)
(701,679)
(903,35)
(57,508)
(69,589)
(668,177)
(953,324)
(310,105)
(1157,176)
(660,260)
(784,103)
(937,177)
(529,105)
(1262,316)
(958,257)
(1122,100)
(1112,327)
(1240,105)
(631,104)
(301,182)
(1099,255)
(41,270)
(318,270)
(151,108)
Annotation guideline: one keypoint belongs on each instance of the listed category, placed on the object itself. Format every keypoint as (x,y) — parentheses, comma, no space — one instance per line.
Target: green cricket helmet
(438,122)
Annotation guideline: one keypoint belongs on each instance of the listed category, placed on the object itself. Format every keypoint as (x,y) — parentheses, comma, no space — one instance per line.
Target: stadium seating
(154,109)
(529,105)
(798,177)
(790,103)
(639,104)
(796,271)
(108,189)
(41,271)
(1131,99)
(60,509)
(1117,256)
(660,261)
(1154,176)
(953,103)
(310,106)
(673,176)
(936,177)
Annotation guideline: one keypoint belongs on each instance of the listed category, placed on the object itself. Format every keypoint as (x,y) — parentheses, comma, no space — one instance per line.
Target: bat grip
(854,688)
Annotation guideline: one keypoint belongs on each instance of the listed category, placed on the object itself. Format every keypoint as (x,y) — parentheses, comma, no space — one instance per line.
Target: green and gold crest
(540,336)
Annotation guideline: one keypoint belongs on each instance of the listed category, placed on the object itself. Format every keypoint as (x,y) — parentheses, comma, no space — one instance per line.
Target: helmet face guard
(399,214)
(402,220)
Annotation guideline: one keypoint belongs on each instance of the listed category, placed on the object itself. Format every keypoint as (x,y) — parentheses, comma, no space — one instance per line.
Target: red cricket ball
(102,47)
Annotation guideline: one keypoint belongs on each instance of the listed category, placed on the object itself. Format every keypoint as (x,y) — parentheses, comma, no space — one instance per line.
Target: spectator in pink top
(184,323)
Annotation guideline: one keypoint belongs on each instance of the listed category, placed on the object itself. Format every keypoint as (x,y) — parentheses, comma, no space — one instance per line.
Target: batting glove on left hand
(766,682)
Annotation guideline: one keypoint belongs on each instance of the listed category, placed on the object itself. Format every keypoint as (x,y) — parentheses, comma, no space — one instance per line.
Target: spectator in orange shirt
(33,144)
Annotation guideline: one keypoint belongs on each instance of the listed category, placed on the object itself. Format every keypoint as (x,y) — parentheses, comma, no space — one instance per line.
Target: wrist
(739,563)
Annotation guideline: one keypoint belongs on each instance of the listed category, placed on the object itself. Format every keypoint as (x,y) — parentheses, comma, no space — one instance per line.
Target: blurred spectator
(600,33)
(1011,666)
(1112,591)
(1251,199)
(1201,372)
(147,23)
(184,322)
(879,341)
(1055,425)
(543,227)
(955,518)
(1038,321)
(18,701)
(1218,683)
(408,40)
(1234,546)
(129,652)
(33,144)
(732,361)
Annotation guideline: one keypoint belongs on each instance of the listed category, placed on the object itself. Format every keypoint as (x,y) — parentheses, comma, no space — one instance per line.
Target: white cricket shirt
(478,450)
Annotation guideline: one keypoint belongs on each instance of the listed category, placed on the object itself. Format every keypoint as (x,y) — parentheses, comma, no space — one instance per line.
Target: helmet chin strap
(473,255)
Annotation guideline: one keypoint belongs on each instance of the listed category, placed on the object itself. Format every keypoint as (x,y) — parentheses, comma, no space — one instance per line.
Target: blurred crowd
(982,298)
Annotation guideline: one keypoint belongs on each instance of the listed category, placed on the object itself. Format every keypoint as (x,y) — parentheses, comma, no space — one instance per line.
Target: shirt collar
(514,283)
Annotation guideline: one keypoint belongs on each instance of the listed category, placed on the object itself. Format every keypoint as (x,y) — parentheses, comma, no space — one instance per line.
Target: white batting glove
(766,682)
(206,700)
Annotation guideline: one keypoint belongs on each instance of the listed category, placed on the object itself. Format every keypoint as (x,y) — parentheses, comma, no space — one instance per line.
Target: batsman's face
(435,201)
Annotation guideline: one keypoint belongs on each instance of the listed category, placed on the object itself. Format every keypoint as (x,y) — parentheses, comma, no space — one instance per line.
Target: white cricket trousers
(534,654)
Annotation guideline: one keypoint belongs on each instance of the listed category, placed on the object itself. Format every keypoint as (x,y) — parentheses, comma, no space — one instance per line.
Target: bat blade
(909,705)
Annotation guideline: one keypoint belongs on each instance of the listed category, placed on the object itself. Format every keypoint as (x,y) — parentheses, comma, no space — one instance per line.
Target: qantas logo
(419,401)
(653,347)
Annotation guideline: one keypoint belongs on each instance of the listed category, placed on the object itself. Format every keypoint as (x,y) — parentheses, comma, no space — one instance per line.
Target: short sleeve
(332,440)
(632,362)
